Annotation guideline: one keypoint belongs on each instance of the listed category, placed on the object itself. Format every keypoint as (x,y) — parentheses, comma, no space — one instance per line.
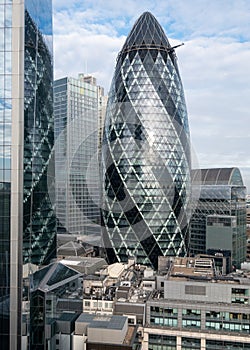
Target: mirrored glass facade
(39,241)
(78,105)
(146,152)
(222,195)
(26,140)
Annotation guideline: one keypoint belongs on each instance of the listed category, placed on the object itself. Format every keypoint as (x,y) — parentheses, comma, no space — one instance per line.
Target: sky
(214,63)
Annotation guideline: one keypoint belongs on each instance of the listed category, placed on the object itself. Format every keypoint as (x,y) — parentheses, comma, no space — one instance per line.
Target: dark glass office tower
(146,152)
(39,241)
(218,222)
(27,221)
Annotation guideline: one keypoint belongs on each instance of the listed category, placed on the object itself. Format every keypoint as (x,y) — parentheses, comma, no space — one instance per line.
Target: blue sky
(214,62)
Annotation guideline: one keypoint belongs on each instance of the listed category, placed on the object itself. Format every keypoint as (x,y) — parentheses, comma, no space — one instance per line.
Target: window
(191,323)
(195,290)
(190,343)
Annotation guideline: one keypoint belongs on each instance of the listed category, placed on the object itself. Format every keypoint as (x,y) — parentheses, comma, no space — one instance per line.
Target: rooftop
(130,335)
(104,322)
(54,276)
(202,269)
(83,260)
(188,267)
(217,176)
(72,248)
(67,316)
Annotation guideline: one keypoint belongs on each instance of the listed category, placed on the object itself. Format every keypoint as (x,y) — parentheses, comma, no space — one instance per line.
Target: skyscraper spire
(146,154)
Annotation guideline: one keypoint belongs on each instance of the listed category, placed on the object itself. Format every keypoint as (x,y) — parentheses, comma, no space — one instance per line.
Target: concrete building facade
(198,309)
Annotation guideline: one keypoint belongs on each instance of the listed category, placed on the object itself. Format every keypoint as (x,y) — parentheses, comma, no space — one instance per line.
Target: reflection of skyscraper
(27,221)
(146,155)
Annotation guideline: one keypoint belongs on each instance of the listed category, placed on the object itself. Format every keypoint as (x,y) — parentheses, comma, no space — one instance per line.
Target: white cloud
(79,48)
(81,54)
(216,74)
(214,62)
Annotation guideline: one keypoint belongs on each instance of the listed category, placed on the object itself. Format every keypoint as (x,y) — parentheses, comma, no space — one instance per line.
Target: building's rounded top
(71,249)
(147,13)
(218,176)
(146,33)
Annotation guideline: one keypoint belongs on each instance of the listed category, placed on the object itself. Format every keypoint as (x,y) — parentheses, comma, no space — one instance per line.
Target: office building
(27,220)
(195,308)
(79,106)
(109,332)
(219,218)
(145,151)
(188,304)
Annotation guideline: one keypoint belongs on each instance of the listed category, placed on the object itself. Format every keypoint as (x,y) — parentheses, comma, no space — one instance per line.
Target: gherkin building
(146,151)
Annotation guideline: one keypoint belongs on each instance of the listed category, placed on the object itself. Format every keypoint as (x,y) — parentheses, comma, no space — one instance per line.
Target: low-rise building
(86,265)
(198,309)
(65,330)
(95,332)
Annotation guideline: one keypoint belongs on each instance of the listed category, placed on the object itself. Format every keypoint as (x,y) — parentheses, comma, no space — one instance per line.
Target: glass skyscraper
(218,222)
(146,152)
(27,221)
(79,105)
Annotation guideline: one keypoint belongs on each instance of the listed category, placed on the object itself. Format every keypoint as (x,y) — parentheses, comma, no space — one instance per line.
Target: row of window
(228,321)
(228,327)
(96,304)
(163,342)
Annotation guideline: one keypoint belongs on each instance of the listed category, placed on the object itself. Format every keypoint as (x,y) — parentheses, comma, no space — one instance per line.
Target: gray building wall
(108,336)
(193,291)
(220,319)
(220,232)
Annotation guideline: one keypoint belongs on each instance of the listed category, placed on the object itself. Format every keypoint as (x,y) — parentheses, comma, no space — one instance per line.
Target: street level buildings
(27,221)
(195,308)
(145,151)
(188,304)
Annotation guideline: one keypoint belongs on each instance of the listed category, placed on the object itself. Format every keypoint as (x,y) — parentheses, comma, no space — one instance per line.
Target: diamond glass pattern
(146,153)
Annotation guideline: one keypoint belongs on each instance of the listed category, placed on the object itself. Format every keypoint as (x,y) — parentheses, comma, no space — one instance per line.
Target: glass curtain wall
(146,151)
(26,140)
(39,241)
